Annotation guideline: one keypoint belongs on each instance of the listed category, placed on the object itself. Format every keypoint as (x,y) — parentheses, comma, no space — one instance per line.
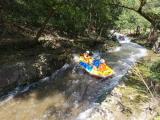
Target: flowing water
(69,93)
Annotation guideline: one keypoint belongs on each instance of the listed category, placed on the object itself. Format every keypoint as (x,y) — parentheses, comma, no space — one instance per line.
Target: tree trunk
(156,46)
(100,34)
(2,26)
(152,38)
(39,33)
(138,30)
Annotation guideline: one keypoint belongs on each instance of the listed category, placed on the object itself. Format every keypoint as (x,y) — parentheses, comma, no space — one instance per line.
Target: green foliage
(71,16)
(130,20)
(155,68)
(151,70)
(152,6)
(76,16)
(131,3)
(136,14)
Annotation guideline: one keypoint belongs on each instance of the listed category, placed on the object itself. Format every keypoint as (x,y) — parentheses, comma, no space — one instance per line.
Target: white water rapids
(69,93)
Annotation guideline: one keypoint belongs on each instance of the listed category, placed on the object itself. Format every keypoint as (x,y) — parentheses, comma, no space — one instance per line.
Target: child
(102,67)
(87,58)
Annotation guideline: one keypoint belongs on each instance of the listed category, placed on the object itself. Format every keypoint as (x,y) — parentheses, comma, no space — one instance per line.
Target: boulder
(30,70)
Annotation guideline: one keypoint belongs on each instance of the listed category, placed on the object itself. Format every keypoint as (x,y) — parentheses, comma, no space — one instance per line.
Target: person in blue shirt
(96,63)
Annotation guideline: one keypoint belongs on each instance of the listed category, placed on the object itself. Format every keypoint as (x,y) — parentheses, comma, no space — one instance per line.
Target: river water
(69,93)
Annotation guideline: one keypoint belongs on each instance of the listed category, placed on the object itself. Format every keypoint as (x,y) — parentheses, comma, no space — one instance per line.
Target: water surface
(69,93)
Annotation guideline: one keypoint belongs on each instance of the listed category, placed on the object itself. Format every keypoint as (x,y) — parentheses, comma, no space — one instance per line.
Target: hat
(87,51)
(102,61)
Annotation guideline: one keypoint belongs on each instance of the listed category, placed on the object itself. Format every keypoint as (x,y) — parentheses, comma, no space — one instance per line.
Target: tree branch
(151,17)
(121,6)
(44,24)
(142,4)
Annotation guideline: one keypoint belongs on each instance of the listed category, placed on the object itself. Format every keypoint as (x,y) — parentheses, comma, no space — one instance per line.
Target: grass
(157,118)
(135,93)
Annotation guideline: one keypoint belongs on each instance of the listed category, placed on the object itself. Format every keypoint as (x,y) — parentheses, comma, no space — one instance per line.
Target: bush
(155,69)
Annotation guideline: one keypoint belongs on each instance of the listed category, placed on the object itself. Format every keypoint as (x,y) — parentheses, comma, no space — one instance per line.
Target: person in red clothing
(102,67)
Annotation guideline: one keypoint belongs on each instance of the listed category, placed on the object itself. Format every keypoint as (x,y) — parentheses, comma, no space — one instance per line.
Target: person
(102,67)
(121,37)
(86,54)
(96,63)
(87,58)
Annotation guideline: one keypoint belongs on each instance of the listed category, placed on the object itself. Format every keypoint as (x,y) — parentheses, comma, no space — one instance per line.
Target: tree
(148,9)
(69,16)
(130,20)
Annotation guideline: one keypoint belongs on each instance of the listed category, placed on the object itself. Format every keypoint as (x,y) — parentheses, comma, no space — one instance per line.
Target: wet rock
(129,72)
(120,106)
(27,71)
(116,93)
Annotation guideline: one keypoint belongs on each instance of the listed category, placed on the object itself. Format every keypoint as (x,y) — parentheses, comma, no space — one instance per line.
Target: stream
(69,93)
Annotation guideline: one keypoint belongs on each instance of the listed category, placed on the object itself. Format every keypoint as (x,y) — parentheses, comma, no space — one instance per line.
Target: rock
(129,72)
(27,71)
(116,93)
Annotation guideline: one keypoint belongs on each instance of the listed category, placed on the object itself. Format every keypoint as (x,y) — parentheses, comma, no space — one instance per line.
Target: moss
(133,96)
(155,70)
(135,93)
(157,118)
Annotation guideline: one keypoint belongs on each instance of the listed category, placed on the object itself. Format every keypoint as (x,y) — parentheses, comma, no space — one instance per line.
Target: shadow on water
(63,82)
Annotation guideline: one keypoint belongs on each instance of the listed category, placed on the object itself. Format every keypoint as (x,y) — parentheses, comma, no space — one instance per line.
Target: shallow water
(69,93)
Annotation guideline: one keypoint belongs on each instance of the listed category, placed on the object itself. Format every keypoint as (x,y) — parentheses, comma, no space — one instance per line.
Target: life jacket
(88,59)
(102,67)
(96,63)
(86,66)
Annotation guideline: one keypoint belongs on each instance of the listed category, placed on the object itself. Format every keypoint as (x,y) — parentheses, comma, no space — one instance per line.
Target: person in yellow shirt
(87,58)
